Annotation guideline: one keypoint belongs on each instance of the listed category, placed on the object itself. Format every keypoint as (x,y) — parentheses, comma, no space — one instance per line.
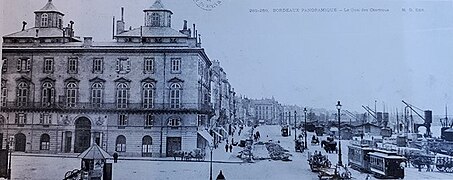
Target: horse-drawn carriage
(317,161)
(329,145)
(299,145)
(314,140)
(196,154)
(421,161)
(444,164)
(338,172)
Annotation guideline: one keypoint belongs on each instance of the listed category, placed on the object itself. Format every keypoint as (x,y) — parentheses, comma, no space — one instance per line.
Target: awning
(206,136)
(218,134)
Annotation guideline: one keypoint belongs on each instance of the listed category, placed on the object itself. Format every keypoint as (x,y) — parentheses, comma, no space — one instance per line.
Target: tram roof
(386,156)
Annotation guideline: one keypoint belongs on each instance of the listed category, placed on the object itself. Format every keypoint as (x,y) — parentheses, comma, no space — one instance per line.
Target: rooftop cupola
(157,15)
(49,16)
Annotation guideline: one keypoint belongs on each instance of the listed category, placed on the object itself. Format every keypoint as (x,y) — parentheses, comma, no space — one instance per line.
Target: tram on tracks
(376,161)
(383,165)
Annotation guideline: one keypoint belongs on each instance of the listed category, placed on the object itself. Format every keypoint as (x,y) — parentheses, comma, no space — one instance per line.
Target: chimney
(120,23)
(184,30)
(113,28)
(72,29)
(24,23)
(194,31)
(87,41)
(122,14)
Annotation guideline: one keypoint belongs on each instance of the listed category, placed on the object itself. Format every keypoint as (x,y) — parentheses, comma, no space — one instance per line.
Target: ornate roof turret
(157,6)
(49,16)
(157,15)
(49,7)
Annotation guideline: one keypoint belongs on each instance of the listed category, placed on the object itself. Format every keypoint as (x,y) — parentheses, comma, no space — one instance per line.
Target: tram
(383,165)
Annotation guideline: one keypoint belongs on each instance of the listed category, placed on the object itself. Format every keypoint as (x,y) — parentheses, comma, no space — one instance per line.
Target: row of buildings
(150,92)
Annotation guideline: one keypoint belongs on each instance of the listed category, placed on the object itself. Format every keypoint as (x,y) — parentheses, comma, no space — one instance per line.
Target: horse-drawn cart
(317,161)
(444,164)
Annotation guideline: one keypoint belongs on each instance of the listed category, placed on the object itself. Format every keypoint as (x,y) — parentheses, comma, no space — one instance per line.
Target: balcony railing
(107,106)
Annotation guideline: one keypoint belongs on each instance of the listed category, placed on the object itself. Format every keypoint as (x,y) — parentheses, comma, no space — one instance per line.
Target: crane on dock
(371,112)
(427,118)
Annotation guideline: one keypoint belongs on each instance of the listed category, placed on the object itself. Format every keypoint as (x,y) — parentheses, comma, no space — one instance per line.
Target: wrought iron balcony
(87,106)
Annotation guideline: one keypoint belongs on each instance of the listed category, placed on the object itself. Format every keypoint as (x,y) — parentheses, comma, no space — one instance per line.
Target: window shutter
(25,118)
(28,64)
(16,119)
(18,64)
(41,119)
(128,68)
(94,65)
(52,95)
(50,118)
(118,61)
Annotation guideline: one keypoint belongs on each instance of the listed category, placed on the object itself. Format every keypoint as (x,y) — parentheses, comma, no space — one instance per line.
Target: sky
(310,59)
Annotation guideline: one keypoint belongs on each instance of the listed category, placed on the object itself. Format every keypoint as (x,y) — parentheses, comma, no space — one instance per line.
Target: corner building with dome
(145,93)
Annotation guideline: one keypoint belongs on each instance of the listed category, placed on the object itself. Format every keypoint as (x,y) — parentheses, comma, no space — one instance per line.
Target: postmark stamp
(208,5)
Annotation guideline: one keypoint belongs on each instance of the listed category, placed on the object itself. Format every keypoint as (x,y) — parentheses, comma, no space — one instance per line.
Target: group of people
(257,136)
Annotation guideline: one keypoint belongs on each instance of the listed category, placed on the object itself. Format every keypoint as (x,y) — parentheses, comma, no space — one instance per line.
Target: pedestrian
(232,140)
(231,148)
(226,147)
(115,157)
(220,176)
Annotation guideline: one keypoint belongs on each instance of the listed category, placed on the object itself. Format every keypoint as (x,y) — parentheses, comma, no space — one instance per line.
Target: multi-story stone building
(267,111)
(144,94)
(222,98)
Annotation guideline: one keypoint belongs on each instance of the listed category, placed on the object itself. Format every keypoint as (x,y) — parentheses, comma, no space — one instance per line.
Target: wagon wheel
(67,174)
(440,168)
(449,169)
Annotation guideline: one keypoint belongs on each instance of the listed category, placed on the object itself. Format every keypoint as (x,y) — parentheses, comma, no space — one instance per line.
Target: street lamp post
(9,145)
(305,128)
(211,147)
(340,163)
(295,127)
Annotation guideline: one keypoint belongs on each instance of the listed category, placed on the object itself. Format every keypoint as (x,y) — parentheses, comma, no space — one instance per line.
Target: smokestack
(122,14)
(23,25)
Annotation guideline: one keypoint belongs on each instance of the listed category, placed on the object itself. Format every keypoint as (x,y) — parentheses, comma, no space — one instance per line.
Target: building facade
(147,93)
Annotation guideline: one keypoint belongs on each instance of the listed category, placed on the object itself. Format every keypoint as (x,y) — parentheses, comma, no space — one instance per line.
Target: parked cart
(444,164)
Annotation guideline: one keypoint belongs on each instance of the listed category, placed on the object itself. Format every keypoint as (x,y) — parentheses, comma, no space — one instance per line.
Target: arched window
(23,91)
(120,144)
(45,142)
(71,94)
(175,95)
(96,94)
(155,19)
(147,141)
(148,95)
(44,20)
(48,94)
(122,93)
